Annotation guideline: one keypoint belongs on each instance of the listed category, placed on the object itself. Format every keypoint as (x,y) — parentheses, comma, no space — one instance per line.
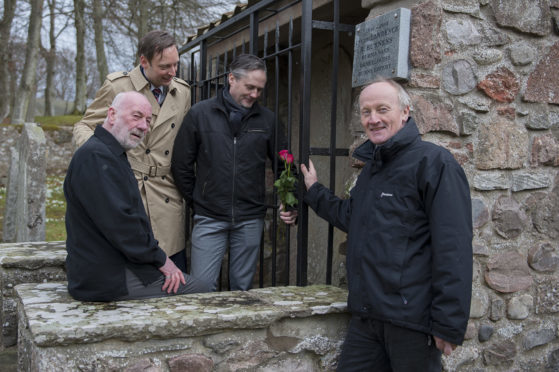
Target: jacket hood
(404,137)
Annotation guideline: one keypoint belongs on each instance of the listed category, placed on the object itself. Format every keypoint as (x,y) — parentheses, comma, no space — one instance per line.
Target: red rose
(283,154)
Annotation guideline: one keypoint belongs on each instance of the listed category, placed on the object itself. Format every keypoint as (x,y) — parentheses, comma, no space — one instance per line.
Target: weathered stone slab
(492,180)
(469,122)
(502,144)
(544,210)
(530,181)
(30,186)
(425,48)
(543,257)
(519,307)
(54,318)
(280,328)
(541,336)
(480,213)
(460,33)
(459,77)
(36,262)
(522,54)
(462,6)
(508,217)
(9,227)
(543,83)
(532,16)
(479,304)
(421,80)
(476,103)
(501,85)
(497,309)
(432,115)
(508,272)
(502,353)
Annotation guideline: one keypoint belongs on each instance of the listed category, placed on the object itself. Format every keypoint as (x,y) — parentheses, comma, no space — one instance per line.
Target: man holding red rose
(218,164)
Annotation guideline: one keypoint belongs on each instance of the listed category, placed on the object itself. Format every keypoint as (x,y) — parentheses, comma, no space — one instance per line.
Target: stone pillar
(9,228)
(25,199)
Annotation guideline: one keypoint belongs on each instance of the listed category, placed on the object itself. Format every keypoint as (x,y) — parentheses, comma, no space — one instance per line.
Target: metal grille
(270,30)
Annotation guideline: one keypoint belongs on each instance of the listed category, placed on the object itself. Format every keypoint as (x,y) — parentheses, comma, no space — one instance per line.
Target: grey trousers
(210,239)
(137,290)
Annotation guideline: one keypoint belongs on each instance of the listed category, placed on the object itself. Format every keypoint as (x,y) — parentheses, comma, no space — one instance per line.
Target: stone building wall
(485,85)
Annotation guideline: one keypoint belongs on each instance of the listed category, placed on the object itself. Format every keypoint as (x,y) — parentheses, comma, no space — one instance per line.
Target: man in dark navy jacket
(409,226)
(112,254)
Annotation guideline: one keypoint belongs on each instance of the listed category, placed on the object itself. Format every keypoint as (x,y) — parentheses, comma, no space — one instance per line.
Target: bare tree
(98,16)
(132,19)
(5,28)
(28,75)
(79,100)
(50,57)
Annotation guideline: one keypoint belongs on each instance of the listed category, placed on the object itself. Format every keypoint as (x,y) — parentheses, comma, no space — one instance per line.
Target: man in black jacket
(219,161)
(112,254)
(409,226)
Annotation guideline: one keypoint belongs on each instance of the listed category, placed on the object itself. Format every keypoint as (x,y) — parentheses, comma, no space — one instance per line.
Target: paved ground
(8,359)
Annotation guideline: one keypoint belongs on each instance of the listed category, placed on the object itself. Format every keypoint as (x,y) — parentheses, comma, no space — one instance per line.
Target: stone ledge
(36,262)
(54,318)
(32,256)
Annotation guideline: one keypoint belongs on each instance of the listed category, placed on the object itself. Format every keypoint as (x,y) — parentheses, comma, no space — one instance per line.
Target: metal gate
(281,33)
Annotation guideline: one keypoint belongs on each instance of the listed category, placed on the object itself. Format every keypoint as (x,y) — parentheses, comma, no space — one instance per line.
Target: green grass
(55,209)
(55,228)
(52,122)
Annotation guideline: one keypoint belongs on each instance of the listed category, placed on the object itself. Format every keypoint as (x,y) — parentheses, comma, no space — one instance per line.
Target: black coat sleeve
(333,209)
(448,206)
(105,189)
(185,152)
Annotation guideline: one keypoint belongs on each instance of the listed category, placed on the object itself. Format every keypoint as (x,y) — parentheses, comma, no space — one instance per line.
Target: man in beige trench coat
(151,160)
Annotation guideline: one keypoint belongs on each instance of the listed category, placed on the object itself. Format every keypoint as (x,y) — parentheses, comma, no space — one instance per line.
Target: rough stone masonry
(485,85)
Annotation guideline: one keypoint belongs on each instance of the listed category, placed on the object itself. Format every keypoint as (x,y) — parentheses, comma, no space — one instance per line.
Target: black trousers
(372,345)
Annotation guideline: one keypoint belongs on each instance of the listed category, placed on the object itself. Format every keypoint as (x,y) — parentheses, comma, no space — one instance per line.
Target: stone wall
(271,329)
(485,85)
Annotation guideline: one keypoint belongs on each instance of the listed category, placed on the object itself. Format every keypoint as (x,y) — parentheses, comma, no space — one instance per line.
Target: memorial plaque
(382,47)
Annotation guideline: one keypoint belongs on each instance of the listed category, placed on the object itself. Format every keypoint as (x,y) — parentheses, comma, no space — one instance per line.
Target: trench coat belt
(151,170)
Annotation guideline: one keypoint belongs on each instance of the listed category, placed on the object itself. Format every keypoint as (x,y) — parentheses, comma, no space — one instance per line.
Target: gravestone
(382,47)
(26,195)
(9,228)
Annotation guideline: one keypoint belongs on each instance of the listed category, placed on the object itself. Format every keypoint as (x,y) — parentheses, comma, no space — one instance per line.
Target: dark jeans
(372,345)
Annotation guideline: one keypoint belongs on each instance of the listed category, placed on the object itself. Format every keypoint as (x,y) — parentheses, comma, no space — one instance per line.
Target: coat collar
(140,82)
(405,137)
(109,140)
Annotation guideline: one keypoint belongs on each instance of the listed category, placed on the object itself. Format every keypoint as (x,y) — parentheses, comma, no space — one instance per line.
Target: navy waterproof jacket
(409,225)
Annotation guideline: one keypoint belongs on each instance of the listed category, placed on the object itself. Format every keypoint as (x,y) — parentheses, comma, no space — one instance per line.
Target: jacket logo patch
(383,194)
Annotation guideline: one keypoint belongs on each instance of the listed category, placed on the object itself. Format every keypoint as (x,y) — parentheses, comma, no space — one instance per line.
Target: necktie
(157,94)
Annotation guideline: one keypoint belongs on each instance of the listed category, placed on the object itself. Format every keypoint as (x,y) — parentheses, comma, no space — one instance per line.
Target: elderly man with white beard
(112,254)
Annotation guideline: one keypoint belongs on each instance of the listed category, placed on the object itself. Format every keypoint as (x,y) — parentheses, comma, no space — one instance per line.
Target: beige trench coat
(151,160)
